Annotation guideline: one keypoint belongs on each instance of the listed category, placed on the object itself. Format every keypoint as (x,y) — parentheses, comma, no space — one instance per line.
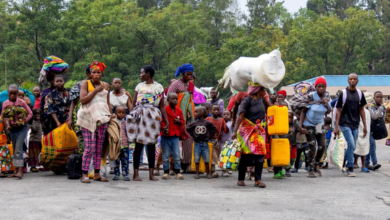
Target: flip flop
(85,180)
(100,179)
(260,185)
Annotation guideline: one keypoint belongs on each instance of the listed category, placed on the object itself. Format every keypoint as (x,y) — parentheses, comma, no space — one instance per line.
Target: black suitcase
(73,166)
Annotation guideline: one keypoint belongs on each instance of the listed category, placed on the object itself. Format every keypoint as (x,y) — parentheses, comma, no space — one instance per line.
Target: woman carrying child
(312,125)
(250,130)
(93,117)
(143,122)
(16,114)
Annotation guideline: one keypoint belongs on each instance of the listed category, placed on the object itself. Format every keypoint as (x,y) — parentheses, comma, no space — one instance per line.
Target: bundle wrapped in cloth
(268,70)
(56,147)
(303,96)
(52,66)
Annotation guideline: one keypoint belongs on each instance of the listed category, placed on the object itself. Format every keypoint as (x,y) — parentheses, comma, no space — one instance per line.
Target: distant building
(367,83)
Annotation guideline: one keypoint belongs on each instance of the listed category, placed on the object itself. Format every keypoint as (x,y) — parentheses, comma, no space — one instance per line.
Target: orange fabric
(192,105)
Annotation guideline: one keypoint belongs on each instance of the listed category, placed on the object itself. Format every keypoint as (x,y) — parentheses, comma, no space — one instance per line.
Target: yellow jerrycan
(280,152)
(277,120)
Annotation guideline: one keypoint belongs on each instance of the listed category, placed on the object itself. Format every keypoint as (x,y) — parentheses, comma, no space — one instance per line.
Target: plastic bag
(336,150)
(363,143)
(268,70)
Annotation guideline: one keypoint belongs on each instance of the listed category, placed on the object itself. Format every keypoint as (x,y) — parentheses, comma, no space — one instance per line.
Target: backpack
(344,100)
(73,166)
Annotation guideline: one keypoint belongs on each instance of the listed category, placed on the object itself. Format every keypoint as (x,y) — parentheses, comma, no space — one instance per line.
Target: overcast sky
(291,5)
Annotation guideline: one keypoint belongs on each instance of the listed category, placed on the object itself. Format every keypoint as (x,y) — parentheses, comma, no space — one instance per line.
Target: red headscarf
(283,92)
(99,65)
(320,80)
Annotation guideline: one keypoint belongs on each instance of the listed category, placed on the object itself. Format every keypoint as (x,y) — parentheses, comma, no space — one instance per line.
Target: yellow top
(91,87)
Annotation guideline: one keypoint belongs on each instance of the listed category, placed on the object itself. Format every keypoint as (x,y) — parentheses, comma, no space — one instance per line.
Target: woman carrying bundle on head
(51,67)
(250,132)
(184,88)
(93,116)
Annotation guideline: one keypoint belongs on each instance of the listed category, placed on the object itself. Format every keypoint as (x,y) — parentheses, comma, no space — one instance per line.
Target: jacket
(112,143)
(174,129)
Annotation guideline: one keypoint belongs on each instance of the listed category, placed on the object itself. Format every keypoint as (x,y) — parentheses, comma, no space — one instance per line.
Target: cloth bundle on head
(283,92)
(183,69)
(253,88)
(320,80)
(99,65)
(51,67)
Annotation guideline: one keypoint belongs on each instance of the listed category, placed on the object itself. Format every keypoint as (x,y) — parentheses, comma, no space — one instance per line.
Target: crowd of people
(189,129)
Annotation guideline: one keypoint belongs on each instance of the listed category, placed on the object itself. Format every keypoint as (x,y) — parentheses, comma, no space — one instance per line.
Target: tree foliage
(327,37)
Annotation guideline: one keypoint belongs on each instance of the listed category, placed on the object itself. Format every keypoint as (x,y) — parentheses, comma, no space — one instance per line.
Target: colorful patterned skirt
(143,124)
(252,137)
(34,149)
(5,158)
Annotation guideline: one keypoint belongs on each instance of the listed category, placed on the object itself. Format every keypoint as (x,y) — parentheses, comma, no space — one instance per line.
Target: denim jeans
(372,153)
(201,149)
(351,136)
(17,138)
(168,145)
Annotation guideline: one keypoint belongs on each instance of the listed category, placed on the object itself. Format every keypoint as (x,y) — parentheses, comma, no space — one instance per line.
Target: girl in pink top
(16,114)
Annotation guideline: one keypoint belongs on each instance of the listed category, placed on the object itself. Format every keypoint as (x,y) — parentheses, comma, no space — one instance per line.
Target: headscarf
(52,66)
(283,92)
(183,69)
(99,65)
(320,80)
(253,88)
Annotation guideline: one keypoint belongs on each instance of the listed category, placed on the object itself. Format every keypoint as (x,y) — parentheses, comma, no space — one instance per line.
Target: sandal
(240,183)
(179,177)
(259,184)
(85,180)
(101,179)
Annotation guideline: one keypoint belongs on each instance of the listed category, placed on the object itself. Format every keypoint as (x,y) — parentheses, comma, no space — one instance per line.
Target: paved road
(334,196)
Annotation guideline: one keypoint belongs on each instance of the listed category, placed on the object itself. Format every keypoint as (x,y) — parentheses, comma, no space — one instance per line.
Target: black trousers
(137,155)
(248,160)
(299,153)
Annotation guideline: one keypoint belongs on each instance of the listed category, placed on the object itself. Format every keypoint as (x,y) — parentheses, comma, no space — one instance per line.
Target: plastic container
(280,152)
(277,120)
(202,164)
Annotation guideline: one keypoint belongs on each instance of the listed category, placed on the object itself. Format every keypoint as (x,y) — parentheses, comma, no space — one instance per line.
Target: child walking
(202,131)
(170,139)
(377,113)
(220,124)
(227,136)
(329,130)
(123,158)
(292,137)
(35,141)
(16,114)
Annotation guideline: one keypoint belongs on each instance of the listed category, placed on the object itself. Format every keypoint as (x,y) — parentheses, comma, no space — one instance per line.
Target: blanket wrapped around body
(15,115)
(303,96)
(56,147)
